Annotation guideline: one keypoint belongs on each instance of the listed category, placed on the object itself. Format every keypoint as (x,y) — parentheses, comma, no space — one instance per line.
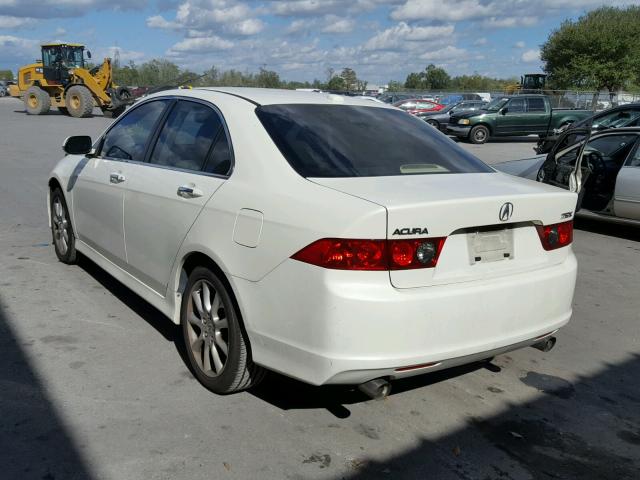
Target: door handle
(186,191)
(116,178)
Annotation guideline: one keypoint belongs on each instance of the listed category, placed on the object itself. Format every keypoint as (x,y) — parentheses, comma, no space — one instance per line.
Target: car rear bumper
(327,326)
(459,131)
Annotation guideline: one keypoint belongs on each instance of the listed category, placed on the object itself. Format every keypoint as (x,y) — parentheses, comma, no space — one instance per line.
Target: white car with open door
(606,171)
(332,239)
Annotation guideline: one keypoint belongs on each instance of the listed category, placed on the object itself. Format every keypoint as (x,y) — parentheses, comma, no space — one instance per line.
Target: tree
(414,81)
(6,75)
(599,50)
(268,79)
(436,78)
(350,78)
(394,86)
(336,83)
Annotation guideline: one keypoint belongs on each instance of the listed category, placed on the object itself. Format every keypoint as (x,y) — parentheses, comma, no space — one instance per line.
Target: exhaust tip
(545,345)
(376,389)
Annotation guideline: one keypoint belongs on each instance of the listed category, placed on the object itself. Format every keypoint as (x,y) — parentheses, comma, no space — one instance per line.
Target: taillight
(352,254)
(419,253)
(556,235)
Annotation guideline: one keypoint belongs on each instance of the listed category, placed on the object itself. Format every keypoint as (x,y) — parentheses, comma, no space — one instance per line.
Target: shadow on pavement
(608,227)
(288,394)
(34,442)
(141,307)
(585,430)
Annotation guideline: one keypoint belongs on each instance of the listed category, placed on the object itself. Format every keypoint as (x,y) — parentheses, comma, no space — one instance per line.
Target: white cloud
(480,41)
(125,55)
(250,26)
(204,16)
(304,7)
(10,22)
(519,44)
(199,45)
(444,10)
(448,53)
(335,24)
(509,22)
(64,8)
(531,56)
(396,37)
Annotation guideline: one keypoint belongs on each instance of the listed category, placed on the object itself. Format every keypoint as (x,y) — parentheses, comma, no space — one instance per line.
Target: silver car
(606,174)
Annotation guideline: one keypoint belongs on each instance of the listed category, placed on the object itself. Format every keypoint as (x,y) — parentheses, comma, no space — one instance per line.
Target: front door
(189,162)
(98,186)
(512,121)
(98,194)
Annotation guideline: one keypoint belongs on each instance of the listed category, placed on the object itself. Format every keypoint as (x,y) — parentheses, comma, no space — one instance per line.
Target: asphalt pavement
(93,384)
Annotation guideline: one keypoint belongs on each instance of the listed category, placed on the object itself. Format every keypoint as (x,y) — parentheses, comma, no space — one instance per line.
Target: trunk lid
(466,208)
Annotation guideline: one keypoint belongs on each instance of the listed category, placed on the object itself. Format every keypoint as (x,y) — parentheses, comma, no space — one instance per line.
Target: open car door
(563,165)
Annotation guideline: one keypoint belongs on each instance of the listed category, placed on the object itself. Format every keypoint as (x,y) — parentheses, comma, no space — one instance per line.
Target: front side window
(128,139)
(187,136)
(357,141)
(516,105)
(497,104)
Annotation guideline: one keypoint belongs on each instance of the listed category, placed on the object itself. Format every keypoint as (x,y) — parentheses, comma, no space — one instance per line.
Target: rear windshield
(354,141)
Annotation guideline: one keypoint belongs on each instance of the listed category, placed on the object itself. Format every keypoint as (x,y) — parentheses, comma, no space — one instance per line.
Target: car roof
(272,96)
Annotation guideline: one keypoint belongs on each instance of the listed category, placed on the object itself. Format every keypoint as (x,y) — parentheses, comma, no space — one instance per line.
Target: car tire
(36,101)
(479,135)
(434,123)
(64,242)
(215,341)
(79,101)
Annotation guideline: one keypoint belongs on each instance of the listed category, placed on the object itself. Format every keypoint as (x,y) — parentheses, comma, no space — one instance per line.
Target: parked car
(458,97)
(416,106)
(607,174)
(334,240)
(617,117)
(512,116)
(440,119)
(4,87)
(393,97)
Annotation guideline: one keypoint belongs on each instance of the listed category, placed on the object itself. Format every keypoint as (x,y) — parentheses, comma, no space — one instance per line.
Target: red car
(418,105)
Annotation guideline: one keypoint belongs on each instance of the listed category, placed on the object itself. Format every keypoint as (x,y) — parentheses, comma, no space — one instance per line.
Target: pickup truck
(509,116)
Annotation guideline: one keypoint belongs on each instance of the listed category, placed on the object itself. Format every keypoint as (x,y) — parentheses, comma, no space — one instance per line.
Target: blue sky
(300,39)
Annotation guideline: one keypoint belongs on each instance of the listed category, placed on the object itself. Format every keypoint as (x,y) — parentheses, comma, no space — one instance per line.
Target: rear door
(537,116)
(190,159)
(627,193)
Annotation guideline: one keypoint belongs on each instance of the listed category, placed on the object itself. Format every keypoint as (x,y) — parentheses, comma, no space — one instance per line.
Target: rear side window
(358,141)
(187,136)
(128,138)
(536,105)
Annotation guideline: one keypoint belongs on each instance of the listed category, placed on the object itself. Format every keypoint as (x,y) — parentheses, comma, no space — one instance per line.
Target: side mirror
(504,110)
(88,54)
(77,145)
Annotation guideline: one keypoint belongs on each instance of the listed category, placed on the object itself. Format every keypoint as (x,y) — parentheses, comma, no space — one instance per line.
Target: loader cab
(58,59)
(533,82)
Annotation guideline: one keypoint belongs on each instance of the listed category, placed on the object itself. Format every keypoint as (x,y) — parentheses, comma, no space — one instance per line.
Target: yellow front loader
(61,80)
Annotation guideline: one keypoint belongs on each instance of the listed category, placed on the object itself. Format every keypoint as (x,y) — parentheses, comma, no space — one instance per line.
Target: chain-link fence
(572,99)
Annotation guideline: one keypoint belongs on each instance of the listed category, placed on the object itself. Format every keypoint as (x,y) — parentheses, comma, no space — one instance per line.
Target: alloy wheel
(208,328)
(60,226)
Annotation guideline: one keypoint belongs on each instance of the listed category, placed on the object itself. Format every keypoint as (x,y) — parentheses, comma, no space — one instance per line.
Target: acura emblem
(506,211)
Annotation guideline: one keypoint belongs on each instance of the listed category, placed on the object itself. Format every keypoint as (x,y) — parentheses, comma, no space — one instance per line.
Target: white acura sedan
(334,240)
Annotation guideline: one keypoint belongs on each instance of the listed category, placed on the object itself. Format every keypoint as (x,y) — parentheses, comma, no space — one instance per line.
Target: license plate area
(490,245)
